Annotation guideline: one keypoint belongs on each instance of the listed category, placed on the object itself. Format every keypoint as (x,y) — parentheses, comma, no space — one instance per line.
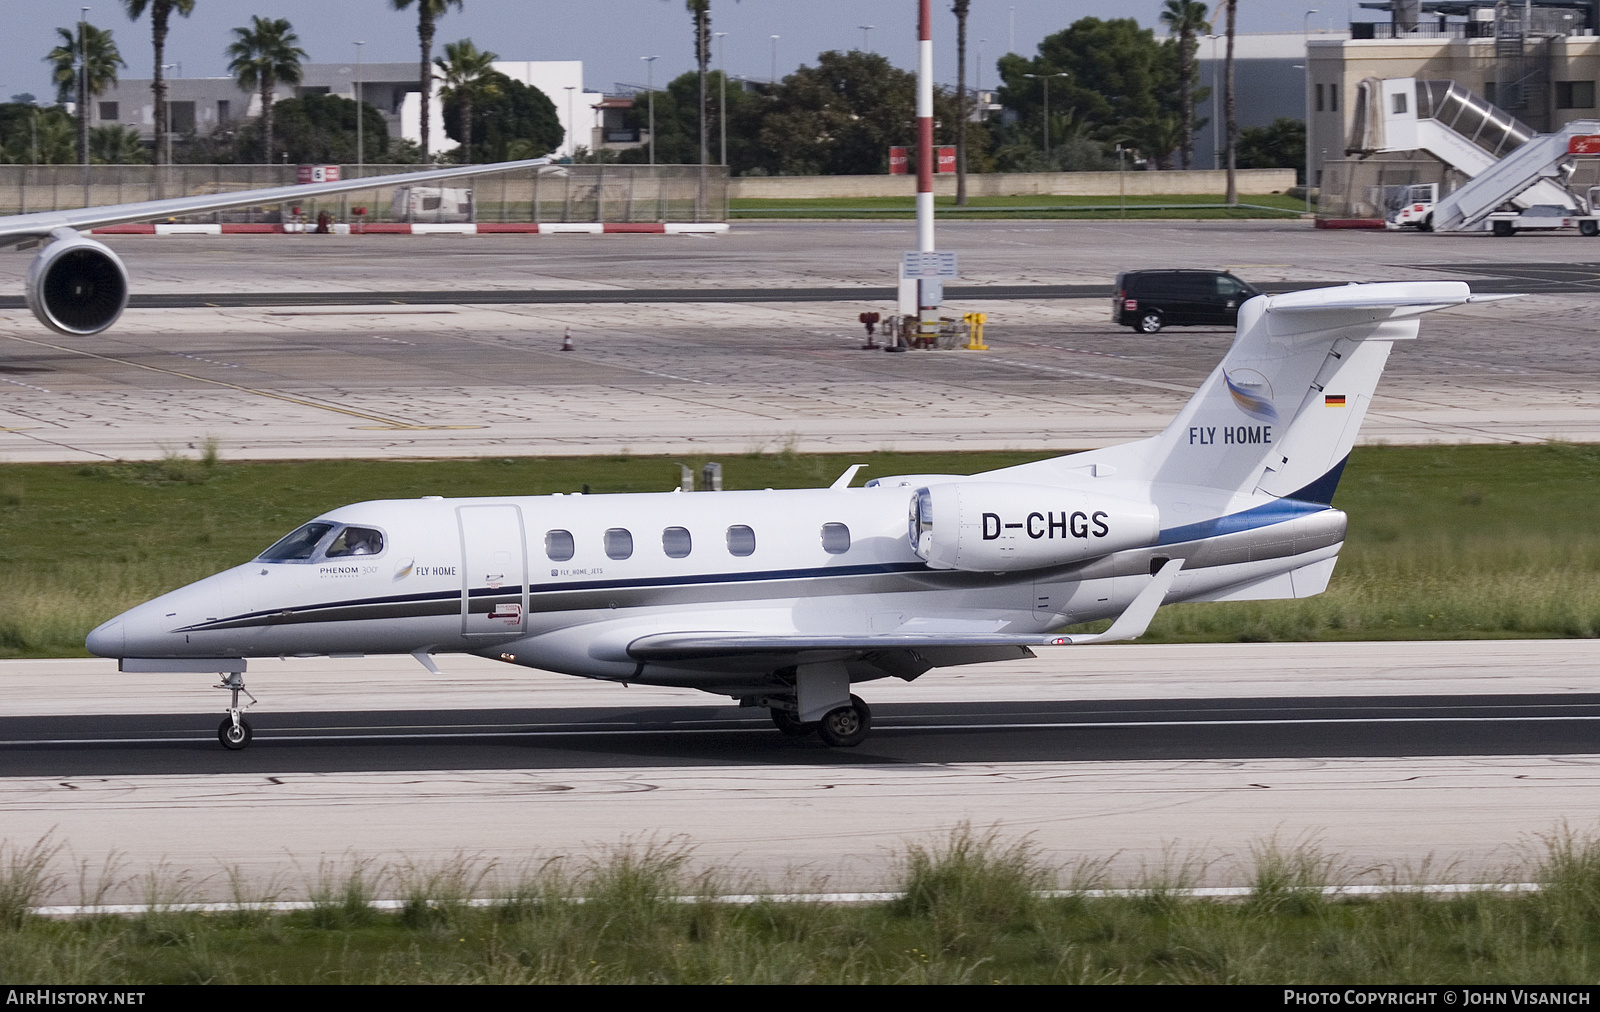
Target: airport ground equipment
(1506,162)
(783,599)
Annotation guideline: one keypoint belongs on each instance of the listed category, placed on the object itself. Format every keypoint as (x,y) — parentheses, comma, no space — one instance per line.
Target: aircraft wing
(29,226)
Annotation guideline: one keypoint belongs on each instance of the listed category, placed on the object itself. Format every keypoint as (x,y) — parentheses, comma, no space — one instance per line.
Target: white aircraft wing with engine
(77,285)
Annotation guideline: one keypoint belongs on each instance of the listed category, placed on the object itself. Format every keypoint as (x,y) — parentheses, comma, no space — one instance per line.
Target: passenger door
(494,570)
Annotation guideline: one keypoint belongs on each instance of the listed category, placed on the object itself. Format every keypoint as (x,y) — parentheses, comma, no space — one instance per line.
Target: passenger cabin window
(558,545)
(619,543)
(355,541)
(835,539)
(741,541)
(302,544)
(676,543)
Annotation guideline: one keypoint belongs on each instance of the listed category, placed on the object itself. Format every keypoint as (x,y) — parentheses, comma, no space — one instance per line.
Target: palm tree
(467,75)
(86,77)
(115,144)
(959,9)
(428,11)
(160,12)
(1227,106)
(1187,20)
(701,10)
(264,54)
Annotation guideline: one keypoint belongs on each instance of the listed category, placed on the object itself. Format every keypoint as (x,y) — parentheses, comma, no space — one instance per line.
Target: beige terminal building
(1536,61)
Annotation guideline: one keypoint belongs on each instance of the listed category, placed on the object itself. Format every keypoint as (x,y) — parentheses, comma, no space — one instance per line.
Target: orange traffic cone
(566,342)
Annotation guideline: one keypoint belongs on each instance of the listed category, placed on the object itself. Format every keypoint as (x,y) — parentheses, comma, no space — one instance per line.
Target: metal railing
(556,193)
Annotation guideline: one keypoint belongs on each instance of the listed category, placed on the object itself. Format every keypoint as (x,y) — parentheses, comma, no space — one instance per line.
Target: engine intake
(991,527)
(77,286)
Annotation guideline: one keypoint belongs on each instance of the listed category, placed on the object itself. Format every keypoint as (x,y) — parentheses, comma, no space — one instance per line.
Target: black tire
(231,739)
(1504,229)
(1589,228)
(790,725)
(1427,224)
(847,726)
(1149,323)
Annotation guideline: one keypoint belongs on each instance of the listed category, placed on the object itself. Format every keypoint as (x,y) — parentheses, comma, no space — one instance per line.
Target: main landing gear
(841,727)
(234,732)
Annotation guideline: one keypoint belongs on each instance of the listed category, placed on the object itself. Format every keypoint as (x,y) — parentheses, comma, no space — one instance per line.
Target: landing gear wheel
(790,725)
(847,726)
(1504,229)
(234,738)
(1589,228)
(1149,323)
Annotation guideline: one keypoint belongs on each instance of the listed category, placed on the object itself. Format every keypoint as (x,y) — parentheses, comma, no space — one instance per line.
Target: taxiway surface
(1389,755)
(391,378)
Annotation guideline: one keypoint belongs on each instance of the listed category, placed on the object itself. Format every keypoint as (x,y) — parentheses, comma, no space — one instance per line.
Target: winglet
(844,480)
(1135,619)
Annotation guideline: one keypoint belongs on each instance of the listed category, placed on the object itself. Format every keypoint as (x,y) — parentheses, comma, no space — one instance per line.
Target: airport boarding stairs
(1504,159)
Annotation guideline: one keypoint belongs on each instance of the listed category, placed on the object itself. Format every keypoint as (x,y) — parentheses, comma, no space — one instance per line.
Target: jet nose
(109,639)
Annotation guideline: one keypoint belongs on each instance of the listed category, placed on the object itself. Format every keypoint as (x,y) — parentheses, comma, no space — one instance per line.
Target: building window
(1319,98)
(835,539)
(1400,103)
(224,110)
(1574,94)
(619,543)
(108,111)
(1333,98)
(675,542)
(558,545)
(181,115)
(741,541)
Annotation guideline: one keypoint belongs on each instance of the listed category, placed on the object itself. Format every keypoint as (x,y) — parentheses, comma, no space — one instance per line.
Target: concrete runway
(277,381)
(1396,756)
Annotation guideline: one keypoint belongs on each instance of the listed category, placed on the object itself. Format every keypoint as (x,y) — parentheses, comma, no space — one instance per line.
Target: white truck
(1411,207)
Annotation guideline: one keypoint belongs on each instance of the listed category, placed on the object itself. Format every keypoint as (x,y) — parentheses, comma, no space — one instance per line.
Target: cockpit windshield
(355,541)
(297,546)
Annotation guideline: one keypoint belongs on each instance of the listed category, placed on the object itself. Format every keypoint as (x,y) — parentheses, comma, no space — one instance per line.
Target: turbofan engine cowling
(995,528)
(77,286)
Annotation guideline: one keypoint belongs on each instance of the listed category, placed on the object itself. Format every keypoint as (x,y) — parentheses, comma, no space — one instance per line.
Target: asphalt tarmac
(713,736)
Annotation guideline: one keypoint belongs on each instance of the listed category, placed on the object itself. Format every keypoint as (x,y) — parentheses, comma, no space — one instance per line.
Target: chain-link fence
(553,193)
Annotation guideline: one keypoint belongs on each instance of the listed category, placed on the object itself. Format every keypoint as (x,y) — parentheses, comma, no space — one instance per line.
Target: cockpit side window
(355,541)
(300,545)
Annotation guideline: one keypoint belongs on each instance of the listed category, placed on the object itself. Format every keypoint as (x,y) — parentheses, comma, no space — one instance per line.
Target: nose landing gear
(234,732)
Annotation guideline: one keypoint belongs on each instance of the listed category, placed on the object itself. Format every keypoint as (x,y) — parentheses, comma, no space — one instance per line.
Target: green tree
(115,144)
(33,135)
(98,55)
(1112,68)
(509,120)
(160,13)
(428,12)
(960,9)
(1186,19)
(1231,119)
(319,129)
(467,78)
(840,117)
(1280,145)
(263,55)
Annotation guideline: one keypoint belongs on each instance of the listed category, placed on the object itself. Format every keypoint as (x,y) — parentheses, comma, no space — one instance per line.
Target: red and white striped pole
(925,127)
(929,290)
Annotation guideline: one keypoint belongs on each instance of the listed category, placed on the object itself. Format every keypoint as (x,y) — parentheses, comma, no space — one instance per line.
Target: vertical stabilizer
(1282,410)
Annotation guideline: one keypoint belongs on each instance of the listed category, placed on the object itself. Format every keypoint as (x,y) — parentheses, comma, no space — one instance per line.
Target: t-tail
(1278,416)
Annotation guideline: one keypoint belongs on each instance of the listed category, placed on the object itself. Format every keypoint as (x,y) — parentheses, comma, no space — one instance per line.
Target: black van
(1150,300)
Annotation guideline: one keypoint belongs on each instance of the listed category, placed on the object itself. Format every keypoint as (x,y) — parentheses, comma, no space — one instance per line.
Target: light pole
(866,47)
(722,95)
(361,136)
(1216,145)
(1046,79)
(1306,25)
(774,78)
(977,84)
(572,126)
(650,92)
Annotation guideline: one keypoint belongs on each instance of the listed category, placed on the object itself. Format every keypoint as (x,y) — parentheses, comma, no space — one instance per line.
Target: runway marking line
(762,727)
(384,423)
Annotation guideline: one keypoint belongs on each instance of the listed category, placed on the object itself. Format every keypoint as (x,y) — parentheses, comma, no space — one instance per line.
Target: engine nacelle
(991,527)
(77,286)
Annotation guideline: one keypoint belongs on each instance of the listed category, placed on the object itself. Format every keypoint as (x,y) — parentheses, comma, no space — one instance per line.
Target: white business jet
(77,285)
(783,599)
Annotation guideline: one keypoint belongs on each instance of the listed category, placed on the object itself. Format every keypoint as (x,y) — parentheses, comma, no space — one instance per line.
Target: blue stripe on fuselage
(1265,515)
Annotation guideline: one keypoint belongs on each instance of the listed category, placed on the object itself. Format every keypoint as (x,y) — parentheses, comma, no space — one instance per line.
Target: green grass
(1444,542)
(1038,206)
(972,910)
